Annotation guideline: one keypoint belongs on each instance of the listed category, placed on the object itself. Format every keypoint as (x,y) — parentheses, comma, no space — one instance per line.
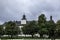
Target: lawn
(28,39)
(25,39)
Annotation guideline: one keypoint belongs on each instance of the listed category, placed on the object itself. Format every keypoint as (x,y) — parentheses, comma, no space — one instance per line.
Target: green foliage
(42,27)
(58,28)
(58,25)
(41,19)
(51,28)
(1,30)
(11,28)
(42,24)
(31,28)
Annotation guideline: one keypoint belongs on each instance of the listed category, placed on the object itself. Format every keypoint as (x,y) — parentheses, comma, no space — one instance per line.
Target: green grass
(28,39)
(25,39)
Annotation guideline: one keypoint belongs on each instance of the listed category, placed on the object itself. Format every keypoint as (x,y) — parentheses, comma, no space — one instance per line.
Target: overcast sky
(14,9)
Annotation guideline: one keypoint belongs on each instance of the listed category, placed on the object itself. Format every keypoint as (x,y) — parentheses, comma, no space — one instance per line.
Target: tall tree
(41,23)
(58,28)
(12,29)
(51,27)
(30,28)
(1,30)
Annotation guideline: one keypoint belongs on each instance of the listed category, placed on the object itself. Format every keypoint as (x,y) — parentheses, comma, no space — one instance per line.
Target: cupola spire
(24,17)
(50,17)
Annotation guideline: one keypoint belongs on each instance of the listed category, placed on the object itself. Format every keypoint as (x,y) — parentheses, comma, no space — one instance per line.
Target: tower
(50,17)
(23,20)
(24,17)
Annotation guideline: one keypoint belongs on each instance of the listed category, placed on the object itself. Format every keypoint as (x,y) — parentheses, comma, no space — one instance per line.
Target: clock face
(23,21)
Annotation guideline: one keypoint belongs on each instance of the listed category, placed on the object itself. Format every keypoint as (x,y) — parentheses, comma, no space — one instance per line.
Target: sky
(11,10)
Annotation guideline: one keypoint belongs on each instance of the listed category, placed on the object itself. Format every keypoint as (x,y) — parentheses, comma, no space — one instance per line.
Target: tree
(58,28)
(1,30)
(41,23)
(51,27)
(12,29)
(30,28)
(41,19)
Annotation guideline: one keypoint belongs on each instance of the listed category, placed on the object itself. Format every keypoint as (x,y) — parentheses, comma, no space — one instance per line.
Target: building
(21,23)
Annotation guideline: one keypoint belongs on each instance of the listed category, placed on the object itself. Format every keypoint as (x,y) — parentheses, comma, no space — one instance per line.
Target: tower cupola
(50,17)
(23,21)
(24,17)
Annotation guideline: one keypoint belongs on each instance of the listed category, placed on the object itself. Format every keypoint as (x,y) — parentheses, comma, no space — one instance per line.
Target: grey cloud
(14,9)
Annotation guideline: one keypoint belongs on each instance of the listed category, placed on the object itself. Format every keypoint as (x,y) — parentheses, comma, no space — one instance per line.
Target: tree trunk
(52,39)
(32,36)
(0,36)
(11,36)
(41,35)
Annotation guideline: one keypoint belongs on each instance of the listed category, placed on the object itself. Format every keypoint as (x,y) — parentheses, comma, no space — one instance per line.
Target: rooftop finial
(50,17)
(24,17)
